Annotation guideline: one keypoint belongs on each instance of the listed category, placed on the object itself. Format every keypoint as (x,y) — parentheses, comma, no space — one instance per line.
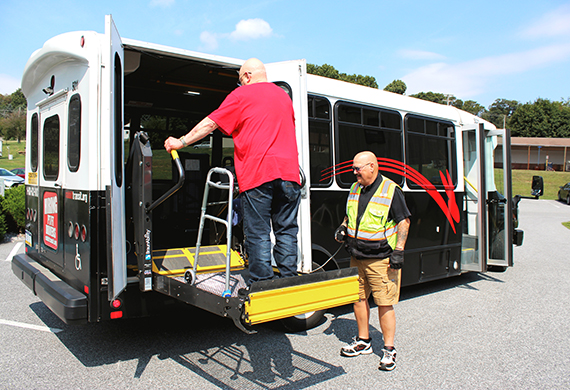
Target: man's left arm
(403,228)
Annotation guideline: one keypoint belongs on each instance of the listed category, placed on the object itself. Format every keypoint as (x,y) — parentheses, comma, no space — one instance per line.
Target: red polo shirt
(261,121)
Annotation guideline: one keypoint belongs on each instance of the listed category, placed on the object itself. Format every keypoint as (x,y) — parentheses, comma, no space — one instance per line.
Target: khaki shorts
(376,276)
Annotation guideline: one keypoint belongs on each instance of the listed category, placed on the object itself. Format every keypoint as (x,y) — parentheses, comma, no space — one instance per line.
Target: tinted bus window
(431,149)
(51,148)
(320,153)
(74,133)
(34,143)
(361,128)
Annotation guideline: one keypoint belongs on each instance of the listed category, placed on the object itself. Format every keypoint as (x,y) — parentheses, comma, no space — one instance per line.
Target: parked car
(19,172)
(564,193)
(10,179)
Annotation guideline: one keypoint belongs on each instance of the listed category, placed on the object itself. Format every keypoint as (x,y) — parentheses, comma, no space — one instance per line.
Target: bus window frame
(383,130)
(451,145)
(314,118)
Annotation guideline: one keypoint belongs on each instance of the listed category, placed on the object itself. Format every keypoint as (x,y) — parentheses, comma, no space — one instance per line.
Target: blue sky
(478,50)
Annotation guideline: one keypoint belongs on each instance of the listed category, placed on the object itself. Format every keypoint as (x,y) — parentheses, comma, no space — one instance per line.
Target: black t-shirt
(398,211)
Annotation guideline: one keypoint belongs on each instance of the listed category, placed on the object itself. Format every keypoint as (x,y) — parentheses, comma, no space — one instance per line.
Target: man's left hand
(397,259)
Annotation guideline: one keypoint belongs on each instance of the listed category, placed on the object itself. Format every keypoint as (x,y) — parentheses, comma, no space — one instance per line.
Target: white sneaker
(388,360)
(357,347)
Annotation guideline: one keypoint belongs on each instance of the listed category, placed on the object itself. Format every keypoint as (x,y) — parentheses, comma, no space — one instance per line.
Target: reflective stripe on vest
(374,225)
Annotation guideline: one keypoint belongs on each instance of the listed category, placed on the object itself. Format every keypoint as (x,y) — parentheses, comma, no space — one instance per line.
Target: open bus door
(292,77)
(488,231)
(112,149)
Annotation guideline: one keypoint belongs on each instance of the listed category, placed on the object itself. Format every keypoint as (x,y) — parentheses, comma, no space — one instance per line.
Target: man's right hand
(172,143)
(340,233)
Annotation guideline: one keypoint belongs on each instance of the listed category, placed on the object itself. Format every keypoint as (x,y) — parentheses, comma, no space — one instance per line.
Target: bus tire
(304,321)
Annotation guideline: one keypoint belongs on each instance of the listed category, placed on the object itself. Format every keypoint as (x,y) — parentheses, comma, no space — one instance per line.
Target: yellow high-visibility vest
(374,225)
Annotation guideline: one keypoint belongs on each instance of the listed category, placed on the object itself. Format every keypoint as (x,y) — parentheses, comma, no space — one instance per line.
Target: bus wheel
(304,321)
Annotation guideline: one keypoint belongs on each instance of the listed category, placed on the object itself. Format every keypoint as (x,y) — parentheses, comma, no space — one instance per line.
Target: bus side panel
(32,215)
(77,238)
(433,249)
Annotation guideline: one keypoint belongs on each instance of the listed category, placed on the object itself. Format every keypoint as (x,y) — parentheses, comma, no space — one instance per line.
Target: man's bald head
(252,71)
(368,164)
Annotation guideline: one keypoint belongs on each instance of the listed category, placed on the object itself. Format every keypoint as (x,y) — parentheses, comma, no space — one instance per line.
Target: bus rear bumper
(65,301)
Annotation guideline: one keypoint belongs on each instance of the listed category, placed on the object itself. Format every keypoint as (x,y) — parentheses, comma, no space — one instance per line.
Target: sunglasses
(357,169)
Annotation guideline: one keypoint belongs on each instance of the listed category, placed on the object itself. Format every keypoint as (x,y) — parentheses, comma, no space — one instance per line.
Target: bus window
(430,149)
(360,128)
(74,133)
(34,143)
(51,148)
(320,141)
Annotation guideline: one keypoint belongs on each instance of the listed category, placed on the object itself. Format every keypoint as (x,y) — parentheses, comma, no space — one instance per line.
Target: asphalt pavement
(477,331)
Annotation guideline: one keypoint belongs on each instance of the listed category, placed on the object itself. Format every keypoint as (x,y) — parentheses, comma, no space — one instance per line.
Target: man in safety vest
(375,230)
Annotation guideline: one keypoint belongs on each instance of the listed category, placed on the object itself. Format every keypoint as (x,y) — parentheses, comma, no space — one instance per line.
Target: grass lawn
(17,151)
(522,181)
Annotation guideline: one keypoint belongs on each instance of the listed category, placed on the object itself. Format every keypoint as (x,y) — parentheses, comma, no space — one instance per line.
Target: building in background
(537,153)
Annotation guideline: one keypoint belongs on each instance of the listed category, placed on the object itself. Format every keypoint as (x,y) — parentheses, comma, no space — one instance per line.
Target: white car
(10,179)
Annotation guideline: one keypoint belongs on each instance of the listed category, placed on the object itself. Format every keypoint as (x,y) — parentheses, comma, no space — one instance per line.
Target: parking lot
(477,331)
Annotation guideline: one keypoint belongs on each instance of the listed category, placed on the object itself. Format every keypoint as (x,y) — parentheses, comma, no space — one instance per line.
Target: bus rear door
(112,149)
(292,77)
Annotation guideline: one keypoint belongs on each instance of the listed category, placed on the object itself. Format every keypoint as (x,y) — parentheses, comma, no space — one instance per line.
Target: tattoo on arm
(403,229)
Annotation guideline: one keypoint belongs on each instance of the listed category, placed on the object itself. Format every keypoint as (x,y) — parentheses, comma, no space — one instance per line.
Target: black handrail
(176,187)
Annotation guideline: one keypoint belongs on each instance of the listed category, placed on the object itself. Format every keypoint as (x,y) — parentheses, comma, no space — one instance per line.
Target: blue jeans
(275,203)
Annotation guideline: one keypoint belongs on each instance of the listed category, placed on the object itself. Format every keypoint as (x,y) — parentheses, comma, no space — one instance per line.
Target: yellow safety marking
(285,302)
(185,257)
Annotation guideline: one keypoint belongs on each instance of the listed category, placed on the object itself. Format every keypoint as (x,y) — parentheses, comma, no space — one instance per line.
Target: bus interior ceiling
(166,96)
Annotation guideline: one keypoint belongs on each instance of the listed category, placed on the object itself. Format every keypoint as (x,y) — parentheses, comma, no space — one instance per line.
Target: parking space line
(30,326)
(14,251)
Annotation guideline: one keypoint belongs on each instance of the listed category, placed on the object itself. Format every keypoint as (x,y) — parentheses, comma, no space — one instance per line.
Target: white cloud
(209,41)
(245,30)
(8,84)
(471,78)
(251,29)
(552,24)
(419,55)
(161,3)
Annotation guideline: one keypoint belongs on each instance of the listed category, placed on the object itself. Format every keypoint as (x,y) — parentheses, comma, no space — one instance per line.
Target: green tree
(542,118)
(396,86)
(470,106)
(330,72)
(13,102)
(13,126)
(500,112)
(434,97)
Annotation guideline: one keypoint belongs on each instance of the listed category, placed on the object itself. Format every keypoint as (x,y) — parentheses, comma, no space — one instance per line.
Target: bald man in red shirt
(259,116)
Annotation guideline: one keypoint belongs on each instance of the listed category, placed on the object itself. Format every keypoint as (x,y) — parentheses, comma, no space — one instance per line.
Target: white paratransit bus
(118,228)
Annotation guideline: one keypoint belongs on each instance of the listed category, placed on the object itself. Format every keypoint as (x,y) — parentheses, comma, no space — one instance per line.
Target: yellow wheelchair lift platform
(215,280)
(261,302)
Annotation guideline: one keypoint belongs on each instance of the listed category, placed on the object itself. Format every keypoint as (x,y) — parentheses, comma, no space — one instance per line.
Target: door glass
(470,248)
(497,202)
